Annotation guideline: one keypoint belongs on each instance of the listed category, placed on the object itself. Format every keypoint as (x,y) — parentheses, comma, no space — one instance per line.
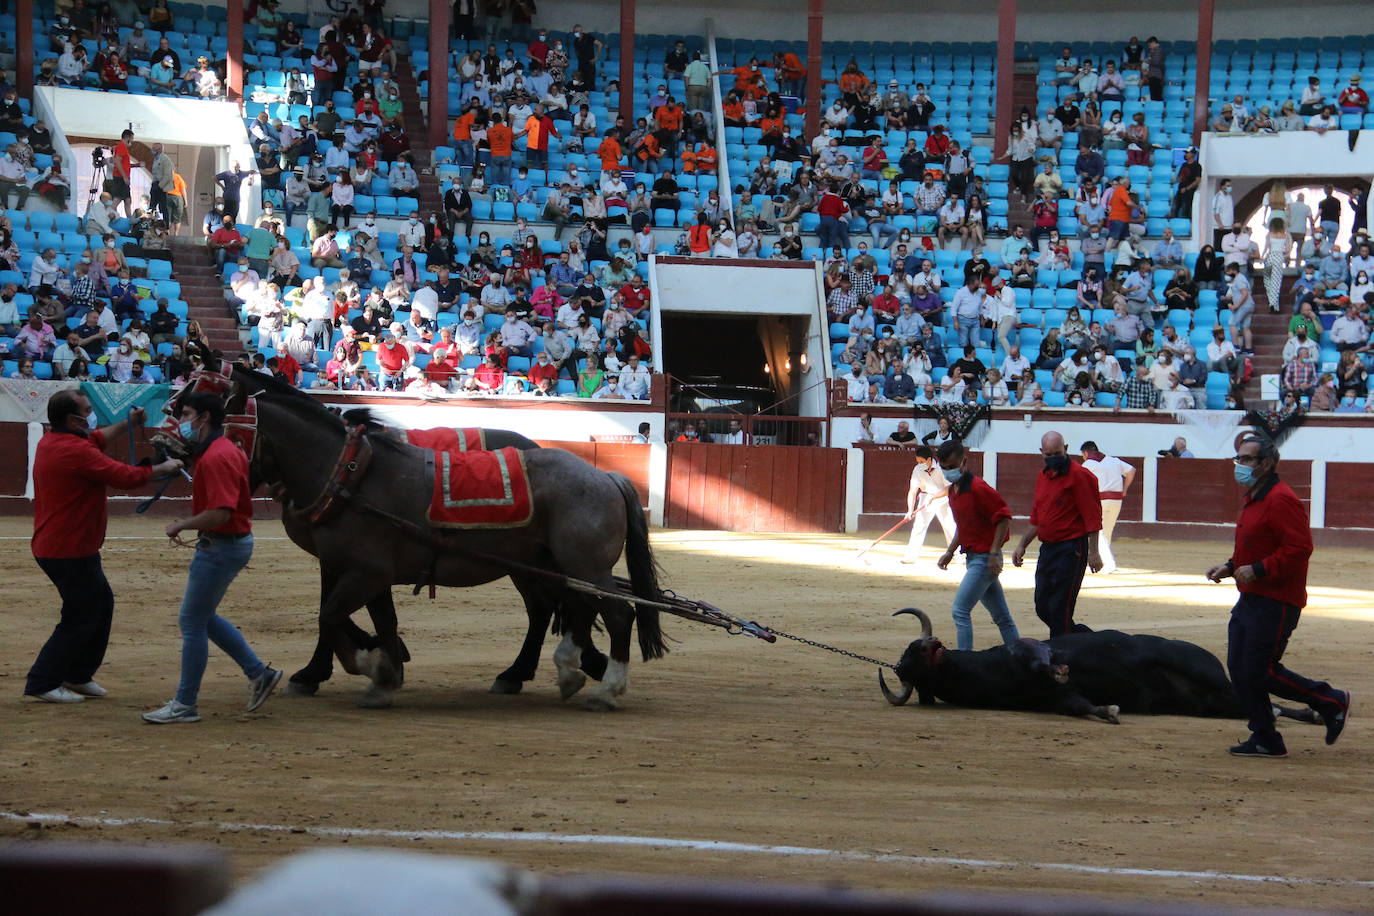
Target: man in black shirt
(971,366)
(448,289)
(458,209)
(11,115)
(162,324)
(587,48)
(1188,178)
(327,122)
(366,326)
(903,435)
(589,296)
(232,181)
(1068,114)
(675,61)
(1329,213)
(665,193)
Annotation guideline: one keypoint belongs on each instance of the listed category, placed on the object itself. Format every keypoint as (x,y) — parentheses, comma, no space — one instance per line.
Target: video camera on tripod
(99,157)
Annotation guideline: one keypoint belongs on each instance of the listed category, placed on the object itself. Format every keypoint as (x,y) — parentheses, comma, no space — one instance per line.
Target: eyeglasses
(1247,460)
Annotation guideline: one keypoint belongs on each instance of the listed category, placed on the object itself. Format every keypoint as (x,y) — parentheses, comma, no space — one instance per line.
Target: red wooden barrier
(1347,494)
(1205,490)
(755,488)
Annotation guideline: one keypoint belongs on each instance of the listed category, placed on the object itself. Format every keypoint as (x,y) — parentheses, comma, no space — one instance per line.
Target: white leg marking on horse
(612,686)
(368,661)
(567,658)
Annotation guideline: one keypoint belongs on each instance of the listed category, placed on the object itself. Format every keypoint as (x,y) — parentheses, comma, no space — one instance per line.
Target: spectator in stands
(1313,100)
(13,178)
(967,311)
(1299,373)
(1327,119)
(36,339)
(1222,355)
(1349,331)
(1353,99)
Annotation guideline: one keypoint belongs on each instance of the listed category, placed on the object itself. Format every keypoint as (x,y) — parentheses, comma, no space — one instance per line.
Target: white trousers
(1111,511)
(930,511)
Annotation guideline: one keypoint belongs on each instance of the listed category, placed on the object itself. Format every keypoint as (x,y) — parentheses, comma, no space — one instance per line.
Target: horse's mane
(363,416)
(277,390)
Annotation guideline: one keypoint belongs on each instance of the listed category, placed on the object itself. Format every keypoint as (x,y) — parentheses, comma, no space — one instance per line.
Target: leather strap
(354,459)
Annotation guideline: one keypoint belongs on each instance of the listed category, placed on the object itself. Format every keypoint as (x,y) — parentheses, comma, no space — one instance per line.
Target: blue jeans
(216,563)
(976,586)
(464,156)
(499,173)
(968,332)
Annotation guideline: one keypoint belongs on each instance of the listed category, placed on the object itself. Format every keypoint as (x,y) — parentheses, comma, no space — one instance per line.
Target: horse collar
(354,459)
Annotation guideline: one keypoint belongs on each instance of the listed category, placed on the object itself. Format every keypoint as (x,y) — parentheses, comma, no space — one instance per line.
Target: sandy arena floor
(728,739)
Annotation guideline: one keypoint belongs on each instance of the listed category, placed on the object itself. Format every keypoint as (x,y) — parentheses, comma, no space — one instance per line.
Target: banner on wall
(26,401)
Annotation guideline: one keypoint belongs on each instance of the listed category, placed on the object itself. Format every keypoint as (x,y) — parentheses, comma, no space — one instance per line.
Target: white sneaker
(88,689)
(171,713)
(59,695)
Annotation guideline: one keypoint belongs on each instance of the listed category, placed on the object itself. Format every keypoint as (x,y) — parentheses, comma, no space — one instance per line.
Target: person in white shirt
(1301,345)
(1000,309)
(1175,396)
(1106,372)
(1349,331)
(856,384)
(610,391)
(1114,478)
(995,391)
(243,283)
(927,499)
(468,334)
(426,302)
(634,379)
(929,276)
(1014,364)
(414,233)
(495,297)
(1223,211)
(516,334)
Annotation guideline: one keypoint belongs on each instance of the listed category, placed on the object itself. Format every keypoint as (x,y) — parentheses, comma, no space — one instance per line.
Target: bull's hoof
(300,689)
(1111,714)
(375,697)
(500,685)
(569,685)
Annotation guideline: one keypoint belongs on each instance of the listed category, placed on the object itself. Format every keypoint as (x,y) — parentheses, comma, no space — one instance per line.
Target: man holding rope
(926,501)
(70,475)
(222,503)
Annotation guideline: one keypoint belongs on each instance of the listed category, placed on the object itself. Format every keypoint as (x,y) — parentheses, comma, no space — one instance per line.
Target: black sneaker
(261,687)
(1335,722)
(1252,748)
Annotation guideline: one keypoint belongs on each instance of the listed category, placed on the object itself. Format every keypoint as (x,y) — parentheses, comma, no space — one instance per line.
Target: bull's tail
(639,556)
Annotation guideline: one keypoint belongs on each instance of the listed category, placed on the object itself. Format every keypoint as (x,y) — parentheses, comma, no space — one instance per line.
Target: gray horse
(382,609)
(582,520)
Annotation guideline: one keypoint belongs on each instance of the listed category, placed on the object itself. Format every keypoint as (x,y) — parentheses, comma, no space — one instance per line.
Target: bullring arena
(726,741)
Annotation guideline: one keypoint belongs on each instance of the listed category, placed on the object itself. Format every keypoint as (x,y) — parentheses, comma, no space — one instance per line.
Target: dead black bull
(1097,675)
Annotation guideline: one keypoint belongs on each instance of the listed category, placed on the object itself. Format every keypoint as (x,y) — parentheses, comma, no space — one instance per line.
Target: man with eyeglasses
(1273,546)
(70,475)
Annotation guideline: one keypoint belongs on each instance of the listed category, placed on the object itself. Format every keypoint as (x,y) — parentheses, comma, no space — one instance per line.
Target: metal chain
(845,652)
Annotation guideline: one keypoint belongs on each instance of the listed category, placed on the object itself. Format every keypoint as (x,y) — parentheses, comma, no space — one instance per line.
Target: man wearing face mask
(1066,516)
(70,475)
(982,525)
(1273,547)
(221,501)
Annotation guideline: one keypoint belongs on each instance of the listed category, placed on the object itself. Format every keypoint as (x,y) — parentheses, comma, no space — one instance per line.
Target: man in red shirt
(440,371)
(226,242)
(636,295)
(833,211)
(1066,516)
(543,368)
(221,501)
(982,525)
(392,358)
(70,474)
(1273,546)
(122,168)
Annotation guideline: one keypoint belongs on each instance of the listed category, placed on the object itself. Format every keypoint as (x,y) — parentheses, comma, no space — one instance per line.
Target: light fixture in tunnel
(768,370)
(787,364)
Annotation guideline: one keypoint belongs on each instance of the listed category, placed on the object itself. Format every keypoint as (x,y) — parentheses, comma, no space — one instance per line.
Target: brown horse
(379,536)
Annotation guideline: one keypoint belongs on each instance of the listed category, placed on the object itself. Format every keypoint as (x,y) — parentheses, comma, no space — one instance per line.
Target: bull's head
(919,662)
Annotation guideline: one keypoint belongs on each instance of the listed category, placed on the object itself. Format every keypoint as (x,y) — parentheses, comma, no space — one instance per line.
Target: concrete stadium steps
(1025,90)
(203,290)
(1268,332)
(417,127)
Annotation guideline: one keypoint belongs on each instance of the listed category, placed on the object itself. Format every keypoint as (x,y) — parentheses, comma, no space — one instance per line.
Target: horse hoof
(375,698)
(300,689)
(598,704)
(567,686)
(506,687)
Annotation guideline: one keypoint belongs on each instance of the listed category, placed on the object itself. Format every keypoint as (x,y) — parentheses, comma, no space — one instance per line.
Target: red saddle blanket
(480,489)
(445,439)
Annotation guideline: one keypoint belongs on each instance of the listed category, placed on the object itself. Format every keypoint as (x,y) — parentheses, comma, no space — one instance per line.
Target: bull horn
(927,630)
(896,699)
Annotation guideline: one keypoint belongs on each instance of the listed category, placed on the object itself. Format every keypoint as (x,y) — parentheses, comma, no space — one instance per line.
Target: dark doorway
(723,349)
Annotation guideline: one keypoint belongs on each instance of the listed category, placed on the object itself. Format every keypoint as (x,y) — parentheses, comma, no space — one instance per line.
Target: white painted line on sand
(583,839)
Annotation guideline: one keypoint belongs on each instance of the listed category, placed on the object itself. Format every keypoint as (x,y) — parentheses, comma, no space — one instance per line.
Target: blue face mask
(1245,475)
(188,432)
(952,474)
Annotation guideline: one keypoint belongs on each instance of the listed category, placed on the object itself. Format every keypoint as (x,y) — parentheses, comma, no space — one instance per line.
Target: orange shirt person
(706,159)
(669,116)
(610,152)
(689,160)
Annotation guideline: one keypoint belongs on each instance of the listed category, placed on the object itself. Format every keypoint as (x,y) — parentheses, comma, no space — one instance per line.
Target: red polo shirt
(1067,506)
(635,299)
(221,482)
(70,474)
(831,205)
(1273,533)
(977,510)
(393,356)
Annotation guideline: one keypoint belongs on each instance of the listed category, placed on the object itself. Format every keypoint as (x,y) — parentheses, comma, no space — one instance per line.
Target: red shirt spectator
(1273,535)
(489,378)
(636,297)
(832,204)
(221,482)
(1046,213)
(70,474)
(937,144)
(288,367)
(977,509)
(540,371)
(228,238)
(392,355)
(1067,505)
(440,370)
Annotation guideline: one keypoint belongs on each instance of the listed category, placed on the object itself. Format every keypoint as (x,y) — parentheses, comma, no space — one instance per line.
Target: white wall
(1022,436)
(971,20)
(1303,153)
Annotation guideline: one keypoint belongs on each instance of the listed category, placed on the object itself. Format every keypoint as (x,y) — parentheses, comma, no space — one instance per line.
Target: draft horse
(376,535)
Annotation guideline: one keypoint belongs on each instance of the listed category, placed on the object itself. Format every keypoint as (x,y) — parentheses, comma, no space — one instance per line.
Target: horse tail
(639,556)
